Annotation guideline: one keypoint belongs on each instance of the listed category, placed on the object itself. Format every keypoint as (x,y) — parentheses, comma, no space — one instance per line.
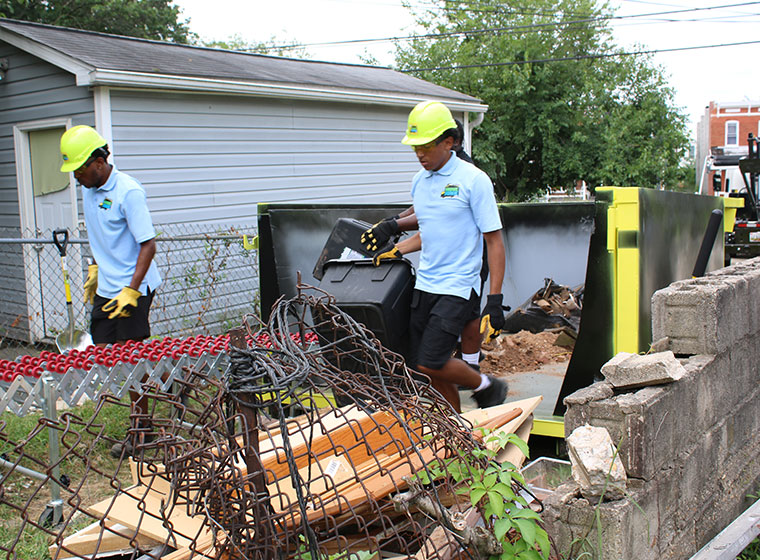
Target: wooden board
(96,539)
(481,415)
(139,509)
(328,455)
(511,453)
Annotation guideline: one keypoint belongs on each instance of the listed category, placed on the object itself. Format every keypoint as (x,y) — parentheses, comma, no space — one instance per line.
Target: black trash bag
(553,306)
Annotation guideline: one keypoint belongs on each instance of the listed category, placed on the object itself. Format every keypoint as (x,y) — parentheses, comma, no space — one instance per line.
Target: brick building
(721,140)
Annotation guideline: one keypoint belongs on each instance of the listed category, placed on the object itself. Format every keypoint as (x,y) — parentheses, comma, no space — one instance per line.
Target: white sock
(484,382)
(471,359)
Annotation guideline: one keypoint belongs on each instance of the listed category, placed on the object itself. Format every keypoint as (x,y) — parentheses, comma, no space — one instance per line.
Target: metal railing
(210,280)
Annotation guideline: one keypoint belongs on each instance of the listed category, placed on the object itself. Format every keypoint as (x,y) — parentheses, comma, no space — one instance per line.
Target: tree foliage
(147,19)
(561,107)
(272,47)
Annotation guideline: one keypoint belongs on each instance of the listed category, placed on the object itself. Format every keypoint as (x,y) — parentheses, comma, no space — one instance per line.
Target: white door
(47,200)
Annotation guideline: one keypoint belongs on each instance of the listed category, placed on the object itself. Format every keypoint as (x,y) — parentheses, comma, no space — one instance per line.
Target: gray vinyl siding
(33,90)
(211,159)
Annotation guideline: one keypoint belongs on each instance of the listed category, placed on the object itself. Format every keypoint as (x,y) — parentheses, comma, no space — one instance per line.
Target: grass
(86,462)
(752,552)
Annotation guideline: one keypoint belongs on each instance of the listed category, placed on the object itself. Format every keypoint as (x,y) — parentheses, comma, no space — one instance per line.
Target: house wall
(211,158)
(32,90)
(206,161)
(747,115)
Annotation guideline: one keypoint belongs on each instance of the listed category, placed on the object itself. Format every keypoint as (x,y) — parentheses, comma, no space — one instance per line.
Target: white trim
(34,300)
(102,104)
(46,53)
(725,133)
(208,85)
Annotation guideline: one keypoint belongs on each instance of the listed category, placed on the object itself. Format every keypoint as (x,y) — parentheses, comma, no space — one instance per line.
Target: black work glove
(387,253)
(492,318)
(380,234)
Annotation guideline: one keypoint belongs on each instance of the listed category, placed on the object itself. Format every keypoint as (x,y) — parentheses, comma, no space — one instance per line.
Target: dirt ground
(523,351)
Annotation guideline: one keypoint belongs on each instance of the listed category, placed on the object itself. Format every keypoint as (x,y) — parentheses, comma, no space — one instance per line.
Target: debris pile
(552,307)
(523,351)
(263,464)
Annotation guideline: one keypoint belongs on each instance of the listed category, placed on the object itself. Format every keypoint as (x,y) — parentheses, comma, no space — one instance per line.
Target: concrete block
(668,504)
(628,371)
(597,468)
(746,421)
(604,411)
(678,546)
(629,527)
(697,316)
(595,392)
(715,394)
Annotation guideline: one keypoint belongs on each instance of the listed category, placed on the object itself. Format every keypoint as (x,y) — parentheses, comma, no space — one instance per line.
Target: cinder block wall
(691,449)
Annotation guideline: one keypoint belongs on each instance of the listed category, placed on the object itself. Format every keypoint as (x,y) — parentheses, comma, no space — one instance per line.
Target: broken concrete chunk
(597,468)
(610,368)
(627,371)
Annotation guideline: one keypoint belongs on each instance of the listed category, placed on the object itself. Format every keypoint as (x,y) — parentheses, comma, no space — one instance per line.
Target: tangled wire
(296,452)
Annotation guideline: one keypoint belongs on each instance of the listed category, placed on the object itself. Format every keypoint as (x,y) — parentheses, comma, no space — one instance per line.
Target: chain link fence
(210,280)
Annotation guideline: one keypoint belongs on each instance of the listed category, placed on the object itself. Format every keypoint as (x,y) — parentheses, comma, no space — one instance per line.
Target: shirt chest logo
(450,191)
(106,204)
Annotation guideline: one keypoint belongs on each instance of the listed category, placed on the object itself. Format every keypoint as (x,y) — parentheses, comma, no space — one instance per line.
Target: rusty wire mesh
(210,279)
(262,463)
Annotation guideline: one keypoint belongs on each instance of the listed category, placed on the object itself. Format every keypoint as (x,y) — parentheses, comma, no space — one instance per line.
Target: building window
(732,133)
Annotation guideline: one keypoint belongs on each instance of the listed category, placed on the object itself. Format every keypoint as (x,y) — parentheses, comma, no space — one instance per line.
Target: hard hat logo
(77,144)
(427,121)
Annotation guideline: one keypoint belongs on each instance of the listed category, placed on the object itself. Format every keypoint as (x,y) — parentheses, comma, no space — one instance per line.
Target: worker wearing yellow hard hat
(121,283)
(455,209)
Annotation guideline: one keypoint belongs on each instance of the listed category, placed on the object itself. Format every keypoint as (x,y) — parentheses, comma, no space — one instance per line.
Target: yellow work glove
(492,320)
(390,253)
(91,284)
(380,234)
(119,306)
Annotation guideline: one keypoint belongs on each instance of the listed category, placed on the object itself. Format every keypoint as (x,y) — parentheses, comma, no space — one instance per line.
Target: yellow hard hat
(77,144)
(427,121)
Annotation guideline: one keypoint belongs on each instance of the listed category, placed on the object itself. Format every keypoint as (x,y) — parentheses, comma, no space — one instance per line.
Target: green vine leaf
(527,529)
(496,501)
(525,514)
(500,528)
(476,495)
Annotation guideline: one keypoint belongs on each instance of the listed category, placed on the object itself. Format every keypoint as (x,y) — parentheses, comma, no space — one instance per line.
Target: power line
(578,57)
(507,28)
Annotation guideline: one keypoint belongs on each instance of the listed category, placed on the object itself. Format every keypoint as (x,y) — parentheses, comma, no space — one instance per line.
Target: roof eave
(54,57)
(100,77)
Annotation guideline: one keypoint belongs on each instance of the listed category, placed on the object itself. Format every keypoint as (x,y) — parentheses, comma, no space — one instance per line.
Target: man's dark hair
(451,132)
(101,152)
(460,131)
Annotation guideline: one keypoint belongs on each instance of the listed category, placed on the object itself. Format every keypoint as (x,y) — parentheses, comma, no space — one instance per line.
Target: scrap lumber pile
(249,467)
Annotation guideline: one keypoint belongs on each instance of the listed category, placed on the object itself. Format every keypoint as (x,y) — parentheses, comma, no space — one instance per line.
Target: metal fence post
(51,396)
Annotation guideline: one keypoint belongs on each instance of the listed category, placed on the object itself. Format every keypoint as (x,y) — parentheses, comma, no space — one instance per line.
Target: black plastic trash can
(376,296)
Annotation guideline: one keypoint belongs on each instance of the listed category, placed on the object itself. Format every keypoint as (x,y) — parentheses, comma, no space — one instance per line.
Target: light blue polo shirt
(455,206)
(118,220)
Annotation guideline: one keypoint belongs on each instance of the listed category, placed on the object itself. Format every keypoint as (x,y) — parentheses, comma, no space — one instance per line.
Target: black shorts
(134,327)
(435,325)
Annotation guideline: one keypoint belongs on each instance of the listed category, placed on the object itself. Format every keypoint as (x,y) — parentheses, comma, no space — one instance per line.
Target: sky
(698,76)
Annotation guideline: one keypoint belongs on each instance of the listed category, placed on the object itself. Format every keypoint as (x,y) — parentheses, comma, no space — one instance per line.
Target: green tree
(147,19)
(561,107)
(273,46)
